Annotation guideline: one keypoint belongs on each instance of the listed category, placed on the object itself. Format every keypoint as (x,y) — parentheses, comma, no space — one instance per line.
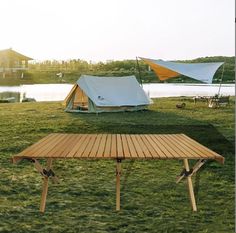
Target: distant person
(60,75)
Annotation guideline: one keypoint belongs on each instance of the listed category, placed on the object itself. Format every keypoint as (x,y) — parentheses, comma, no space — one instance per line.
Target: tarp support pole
(190,186)
(45,187)
(221,79)
(118,174)
(139,73)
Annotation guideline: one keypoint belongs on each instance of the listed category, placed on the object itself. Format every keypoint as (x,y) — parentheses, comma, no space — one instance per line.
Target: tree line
(130,67)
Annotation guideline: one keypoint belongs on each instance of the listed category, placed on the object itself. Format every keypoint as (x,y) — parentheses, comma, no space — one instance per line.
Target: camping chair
(216,102)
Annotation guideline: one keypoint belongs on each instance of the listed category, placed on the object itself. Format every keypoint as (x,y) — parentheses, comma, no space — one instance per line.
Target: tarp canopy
(113,91)
(203,72)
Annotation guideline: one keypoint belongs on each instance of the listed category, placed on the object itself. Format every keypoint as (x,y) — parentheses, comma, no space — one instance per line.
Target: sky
(101,30)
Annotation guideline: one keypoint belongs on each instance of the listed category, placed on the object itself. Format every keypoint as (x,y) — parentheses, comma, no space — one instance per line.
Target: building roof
(10,53)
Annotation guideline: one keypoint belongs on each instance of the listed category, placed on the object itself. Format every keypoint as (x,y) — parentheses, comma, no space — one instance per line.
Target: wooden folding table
(117,147)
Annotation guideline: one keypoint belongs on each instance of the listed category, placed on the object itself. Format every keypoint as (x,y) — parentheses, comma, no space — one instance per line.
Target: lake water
(58,92)
(176,89)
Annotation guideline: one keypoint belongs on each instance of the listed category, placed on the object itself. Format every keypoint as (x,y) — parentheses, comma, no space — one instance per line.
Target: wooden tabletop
(118,146)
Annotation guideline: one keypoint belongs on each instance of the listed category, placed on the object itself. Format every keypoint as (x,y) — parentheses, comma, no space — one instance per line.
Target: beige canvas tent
(94,94)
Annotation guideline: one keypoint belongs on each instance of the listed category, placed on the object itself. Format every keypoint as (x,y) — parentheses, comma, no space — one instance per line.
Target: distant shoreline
(58,92)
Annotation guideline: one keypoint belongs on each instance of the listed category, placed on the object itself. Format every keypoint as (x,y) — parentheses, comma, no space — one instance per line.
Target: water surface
(58,92)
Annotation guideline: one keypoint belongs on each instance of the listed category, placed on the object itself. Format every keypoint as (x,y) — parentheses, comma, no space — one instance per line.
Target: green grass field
(84,201)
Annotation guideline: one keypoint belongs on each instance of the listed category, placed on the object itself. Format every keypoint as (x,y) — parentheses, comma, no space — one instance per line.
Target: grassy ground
(84,201)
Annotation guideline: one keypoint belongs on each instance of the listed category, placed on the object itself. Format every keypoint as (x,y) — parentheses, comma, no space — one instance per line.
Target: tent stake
(45,187)
(190,186)
(118,173)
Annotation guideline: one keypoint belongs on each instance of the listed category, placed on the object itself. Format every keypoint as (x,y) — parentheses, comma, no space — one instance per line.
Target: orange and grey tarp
(203,72)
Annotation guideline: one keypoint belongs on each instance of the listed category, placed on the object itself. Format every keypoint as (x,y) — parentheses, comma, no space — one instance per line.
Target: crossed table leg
(48,173)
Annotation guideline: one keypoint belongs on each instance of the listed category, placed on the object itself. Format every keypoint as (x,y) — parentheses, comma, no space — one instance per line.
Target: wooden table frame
(129,144)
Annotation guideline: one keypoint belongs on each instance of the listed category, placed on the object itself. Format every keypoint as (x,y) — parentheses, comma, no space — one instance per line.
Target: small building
(12,62)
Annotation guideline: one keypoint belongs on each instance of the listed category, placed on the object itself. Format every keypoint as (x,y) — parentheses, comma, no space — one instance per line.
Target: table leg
(45,187)
(190,186)
(118,173)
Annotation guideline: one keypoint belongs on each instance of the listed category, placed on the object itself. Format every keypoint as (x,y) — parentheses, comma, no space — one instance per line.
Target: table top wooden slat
(79,152)
(120,152)
(160,146)
(145,149)
(149,147)
(80,139)
(133,153)
(125,146)
(187,146)
(35,146)
(137,147)
(168,145)
(198,146)
(82,151)
(71,144)
(89,147)
(182,149)
(130,146)
(95,147)
(47,146)
(107,150)
(158,152)
(59,150)
(113,146)
(33,149)
(102,145)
